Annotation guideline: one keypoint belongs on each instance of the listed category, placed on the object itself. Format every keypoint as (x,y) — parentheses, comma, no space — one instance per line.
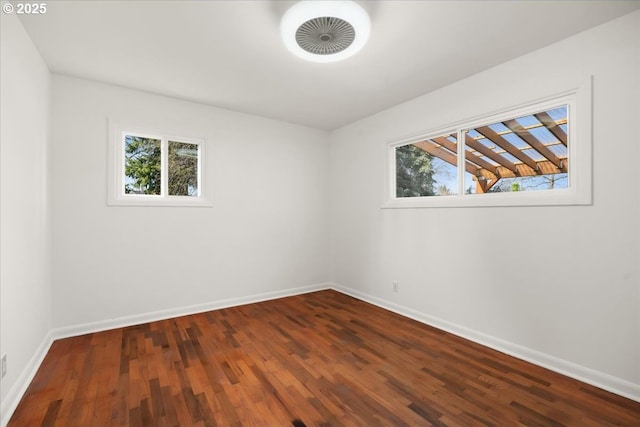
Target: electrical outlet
(4,365)
(395,286)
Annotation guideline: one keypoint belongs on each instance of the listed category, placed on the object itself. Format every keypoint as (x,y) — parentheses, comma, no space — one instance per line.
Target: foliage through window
(142,160)
(183,169)
(427,168)
(145,170)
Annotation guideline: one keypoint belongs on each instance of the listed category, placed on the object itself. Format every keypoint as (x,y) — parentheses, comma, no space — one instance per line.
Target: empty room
(320,213)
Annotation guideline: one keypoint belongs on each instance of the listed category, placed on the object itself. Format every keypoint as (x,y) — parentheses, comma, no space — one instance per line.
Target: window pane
(142,165)
(427,168)
(183,169)
(521,154)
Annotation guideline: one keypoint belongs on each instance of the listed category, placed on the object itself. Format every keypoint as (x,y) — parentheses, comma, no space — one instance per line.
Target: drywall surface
(266,231)
(25,238)
(559,281)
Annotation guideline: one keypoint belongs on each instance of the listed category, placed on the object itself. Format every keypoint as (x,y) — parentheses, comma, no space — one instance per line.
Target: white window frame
(579,191)
(116,168)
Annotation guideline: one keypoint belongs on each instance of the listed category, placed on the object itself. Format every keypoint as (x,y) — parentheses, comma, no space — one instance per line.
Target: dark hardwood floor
(324,359)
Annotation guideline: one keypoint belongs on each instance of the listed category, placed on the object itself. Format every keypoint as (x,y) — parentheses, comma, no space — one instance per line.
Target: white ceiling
(229,53)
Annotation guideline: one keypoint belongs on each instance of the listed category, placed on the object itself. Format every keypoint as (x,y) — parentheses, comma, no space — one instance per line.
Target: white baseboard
(599,379)
(12,398)
(121,322)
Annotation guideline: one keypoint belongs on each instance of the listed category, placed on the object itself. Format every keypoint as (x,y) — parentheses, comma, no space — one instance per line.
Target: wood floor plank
(322,359)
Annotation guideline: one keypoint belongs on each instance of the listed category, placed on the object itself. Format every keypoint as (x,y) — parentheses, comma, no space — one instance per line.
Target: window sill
(537,198)
(160,202)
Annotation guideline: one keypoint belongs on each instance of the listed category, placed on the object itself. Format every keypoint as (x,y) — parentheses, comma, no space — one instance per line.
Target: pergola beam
(442,140)
(475,160)
(552,126)
(435,149)
(487,152)
(542,149)
(439,152)
(507,146)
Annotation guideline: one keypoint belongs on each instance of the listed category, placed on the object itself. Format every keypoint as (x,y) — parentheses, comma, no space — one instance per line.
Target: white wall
(559,285)
(267,231)
(25,237)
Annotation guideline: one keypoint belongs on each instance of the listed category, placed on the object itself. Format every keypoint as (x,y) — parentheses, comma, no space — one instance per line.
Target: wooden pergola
(507,149)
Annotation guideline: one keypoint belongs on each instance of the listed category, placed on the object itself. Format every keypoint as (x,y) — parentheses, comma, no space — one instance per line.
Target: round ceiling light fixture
(325,31)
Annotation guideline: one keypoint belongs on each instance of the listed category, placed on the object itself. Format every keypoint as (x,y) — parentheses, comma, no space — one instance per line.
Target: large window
(155,169)
(531,155)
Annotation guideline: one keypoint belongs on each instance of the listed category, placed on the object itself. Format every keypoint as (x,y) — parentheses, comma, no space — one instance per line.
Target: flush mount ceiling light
(325,31)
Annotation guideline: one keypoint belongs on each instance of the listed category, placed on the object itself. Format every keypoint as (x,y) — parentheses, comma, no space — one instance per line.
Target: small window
(153,169)
(539,154)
